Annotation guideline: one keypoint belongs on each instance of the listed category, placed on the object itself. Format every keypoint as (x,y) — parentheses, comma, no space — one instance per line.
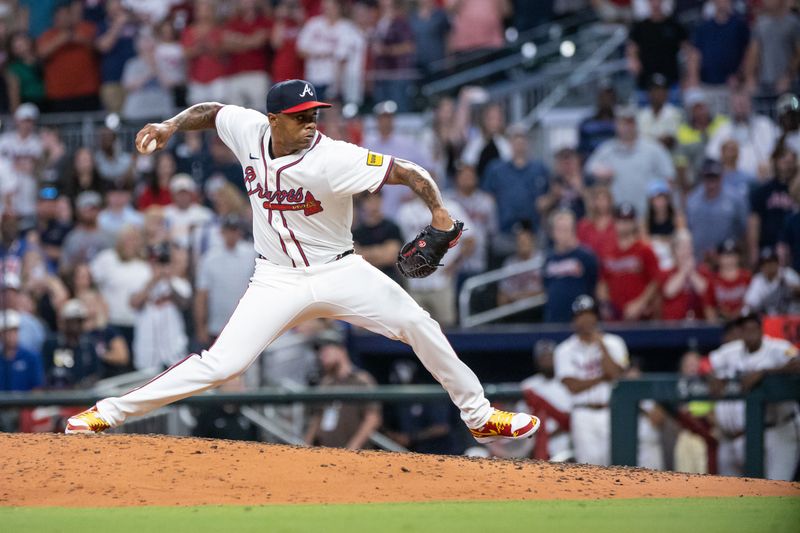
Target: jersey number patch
(374,160)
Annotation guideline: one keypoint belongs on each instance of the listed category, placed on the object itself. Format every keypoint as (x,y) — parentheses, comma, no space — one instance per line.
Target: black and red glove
(422,256)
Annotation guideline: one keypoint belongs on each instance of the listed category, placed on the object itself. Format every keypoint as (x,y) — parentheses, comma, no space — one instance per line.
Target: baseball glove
(421,257)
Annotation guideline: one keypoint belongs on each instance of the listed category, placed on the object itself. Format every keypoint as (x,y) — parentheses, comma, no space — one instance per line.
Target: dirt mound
(119,470)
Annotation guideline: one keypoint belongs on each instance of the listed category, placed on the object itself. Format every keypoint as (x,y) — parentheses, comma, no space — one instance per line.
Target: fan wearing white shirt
(184,213)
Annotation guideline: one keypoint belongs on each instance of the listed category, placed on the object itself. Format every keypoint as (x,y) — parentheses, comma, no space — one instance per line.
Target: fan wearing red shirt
(246,38)
(683,287)
(629,272)
(596,230)
(202,44)
(729,283)
(286,62)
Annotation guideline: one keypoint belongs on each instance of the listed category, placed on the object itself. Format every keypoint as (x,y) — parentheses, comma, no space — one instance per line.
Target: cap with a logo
(625,211)
(293,96)
(388,107)
(711,168)
(786,103)
(767,254)
(88,199)
(232,221)
(582,304)
(329,337)
(26,111)
(728,246)
(182,182)
(659,80)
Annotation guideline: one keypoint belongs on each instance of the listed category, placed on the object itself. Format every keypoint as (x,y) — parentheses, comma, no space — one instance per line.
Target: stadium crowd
(680,204)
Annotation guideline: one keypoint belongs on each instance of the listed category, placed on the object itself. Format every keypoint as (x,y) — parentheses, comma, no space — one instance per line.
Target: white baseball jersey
(732,359)
(303,202)
(575,359)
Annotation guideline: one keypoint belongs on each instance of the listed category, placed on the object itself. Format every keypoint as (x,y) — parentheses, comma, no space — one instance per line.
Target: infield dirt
(132,470)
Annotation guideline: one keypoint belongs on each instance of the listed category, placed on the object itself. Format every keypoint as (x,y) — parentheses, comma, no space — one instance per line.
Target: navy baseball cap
(293,96)
(625,211)
(583,304)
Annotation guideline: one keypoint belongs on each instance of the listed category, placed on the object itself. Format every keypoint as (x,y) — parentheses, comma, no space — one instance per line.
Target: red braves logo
(296,200)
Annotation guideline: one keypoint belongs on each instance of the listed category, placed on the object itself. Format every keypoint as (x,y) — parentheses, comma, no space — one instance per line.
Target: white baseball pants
(278,299)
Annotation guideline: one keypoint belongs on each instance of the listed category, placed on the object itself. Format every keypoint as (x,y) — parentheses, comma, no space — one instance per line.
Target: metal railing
(467,319)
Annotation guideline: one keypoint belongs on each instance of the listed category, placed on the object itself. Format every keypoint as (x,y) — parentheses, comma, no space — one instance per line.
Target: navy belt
(340,256)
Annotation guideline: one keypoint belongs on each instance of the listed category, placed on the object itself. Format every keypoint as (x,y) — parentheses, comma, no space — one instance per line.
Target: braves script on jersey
(303,202)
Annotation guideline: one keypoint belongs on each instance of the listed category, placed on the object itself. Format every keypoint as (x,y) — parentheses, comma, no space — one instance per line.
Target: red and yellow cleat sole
(502,424)
(88,421)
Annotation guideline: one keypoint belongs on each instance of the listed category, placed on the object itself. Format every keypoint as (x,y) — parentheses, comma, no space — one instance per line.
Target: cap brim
(305,106)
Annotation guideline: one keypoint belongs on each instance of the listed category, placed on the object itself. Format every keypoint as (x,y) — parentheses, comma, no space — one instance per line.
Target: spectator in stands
(118,212)
(23,141)
(222,277)
(26,71)
(71,71)
(569,269)
(771,204)
(55,154)
(789,240)
(714,212)
(422,427)
(489,144)
(119,272)
(598,128)
(482,210)
(170,62)
(683,287)
(342,425)
(20,369)
(614,11)
(203,48)
(377,239)
(588,363)
(693,136)
(430,25)
(787,108)
(159,336)
(114,164)
(82,176)
(747,361)
(70,358)
(323,43)
(525,284)
(185,213)
(567,188)
(388,140)
(629,273)
(551,401)
(31,332)
(774,51)
(629,162)
(246,39)
(79,284)
(190,157)
(659,120)
(86,240)
(729,283)
(286,62)
(774,289)
(596,230)
(654,45)
(148,93)
(755,134)
(741,183)
(51,227)
(446,135)
(661,222)
(437,293)
(477,25)
(718,49)
(156,190)
(516,182)
(115,42)
(393,50)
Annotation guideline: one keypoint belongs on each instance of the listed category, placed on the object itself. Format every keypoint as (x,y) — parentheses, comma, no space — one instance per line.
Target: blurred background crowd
(673,196)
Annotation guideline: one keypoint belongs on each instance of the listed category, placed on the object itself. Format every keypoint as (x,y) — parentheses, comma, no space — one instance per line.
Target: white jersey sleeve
(617,349)
(235,126)
(353,169)
(723,360)
(780,352)
(565,366)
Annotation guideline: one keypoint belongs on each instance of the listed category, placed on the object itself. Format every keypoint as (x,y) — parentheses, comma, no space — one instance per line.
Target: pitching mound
(124,470)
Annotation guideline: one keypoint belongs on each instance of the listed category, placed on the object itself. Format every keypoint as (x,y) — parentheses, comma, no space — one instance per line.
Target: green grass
(707,515)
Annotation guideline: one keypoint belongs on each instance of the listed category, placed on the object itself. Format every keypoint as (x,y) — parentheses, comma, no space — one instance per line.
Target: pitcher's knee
(220,368)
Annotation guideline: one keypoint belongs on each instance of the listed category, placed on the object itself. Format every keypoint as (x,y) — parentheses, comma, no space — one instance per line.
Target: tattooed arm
(197,117)
(420,181)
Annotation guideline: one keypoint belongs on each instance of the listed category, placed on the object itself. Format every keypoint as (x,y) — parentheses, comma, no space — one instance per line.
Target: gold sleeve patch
(374,160)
